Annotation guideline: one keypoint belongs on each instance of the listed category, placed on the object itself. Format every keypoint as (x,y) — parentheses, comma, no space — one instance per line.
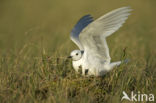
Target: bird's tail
(125,61)
(116,64)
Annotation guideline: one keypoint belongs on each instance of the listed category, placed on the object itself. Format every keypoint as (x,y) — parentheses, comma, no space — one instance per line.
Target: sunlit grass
(34,44)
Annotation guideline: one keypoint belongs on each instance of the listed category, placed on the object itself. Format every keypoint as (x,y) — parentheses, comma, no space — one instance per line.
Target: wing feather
(81,24)
(93,36)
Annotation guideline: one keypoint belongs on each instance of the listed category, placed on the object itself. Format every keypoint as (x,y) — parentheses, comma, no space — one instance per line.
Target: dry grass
(34,44)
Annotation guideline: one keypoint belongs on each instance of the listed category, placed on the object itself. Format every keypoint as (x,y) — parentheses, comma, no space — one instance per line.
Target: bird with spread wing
(90,36)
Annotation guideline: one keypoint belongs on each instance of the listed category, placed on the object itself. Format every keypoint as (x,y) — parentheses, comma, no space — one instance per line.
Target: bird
(90,35)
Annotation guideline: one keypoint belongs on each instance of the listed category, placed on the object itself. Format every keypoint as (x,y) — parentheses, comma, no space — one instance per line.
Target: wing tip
(128,8)
(81,24)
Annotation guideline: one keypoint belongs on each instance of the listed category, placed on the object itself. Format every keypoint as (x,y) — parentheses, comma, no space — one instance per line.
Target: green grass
(34,44)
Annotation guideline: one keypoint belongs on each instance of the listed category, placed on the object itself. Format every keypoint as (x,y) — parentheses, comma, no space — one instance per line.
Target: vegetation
(34,44)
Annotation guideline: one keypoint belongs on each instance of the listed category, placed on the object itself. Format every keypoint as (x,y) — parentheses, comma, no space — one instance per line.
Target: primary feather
(81,24)
(93,36)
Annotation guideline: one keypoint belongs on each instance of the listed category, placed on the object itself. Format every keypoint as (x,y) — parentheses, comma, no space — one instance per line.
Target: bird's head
(76,55)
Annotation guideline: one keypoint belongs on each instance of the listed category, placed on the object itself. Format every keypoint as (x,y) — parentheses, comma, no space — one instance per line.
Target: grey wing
(81,24)
(93,37)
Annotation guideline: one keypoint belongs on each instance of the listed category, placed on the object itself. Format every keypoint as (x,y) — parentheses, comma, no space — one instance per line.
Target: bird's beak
(69,57)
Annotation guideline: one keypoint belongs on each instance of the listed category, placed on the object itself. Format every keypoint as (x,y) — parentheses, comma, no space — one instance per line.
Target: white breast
(77,64)
(94,67)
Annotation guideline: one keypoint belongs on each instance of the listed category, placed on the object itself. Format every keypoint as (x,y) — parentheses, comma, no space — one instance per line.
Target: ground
(34,44)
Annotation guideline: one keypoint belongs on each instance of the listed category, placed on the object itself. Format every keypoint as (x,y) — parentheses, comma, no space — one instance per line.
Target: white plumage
(90,36)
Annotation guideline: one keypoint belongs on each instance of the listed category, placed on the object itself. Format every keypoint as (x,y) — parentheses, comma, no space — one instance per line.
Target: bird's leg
(85,71)
(80,69)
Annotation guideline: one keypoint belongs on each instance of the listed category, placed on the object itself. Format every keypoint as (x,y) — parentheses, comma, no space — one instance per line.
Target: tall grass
(34,44)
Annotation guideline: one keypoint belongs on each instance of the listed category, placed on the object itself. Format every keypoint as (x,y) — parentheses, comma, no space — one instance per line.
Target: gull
(90,36)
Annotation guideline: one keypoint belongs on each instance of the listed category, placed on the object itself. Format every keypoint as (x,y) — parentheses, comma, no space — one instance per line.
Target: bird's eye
(76,53)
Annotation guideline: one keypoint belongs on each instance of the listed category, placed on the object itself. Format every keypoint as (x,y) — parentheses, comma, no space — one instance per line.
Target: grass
(34,44)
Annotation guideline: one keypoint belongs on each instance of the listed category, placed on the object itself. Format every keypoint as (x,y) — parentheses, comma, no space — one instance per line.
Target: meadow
(35,43)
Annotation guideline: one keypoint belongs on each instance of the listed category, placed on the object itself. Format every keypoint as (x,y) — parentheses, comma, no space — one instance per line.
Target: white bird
(90,36)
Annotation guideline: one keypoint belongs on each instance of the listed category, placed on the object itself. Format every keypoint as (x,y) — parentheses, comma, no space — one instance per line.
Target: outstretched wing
(93,36)
(81,24)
